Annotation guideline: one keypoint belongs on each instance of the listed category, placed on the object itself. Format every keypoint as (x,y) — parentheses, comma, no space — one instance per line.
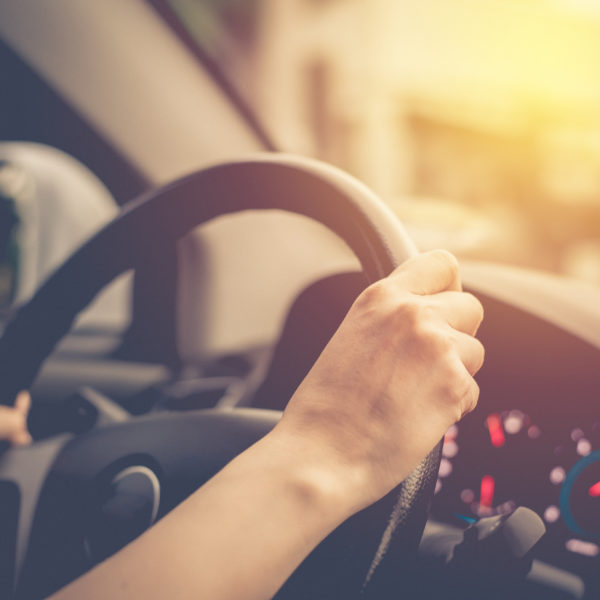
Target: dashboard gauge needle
(469,520)
(494,424)
(486,492)
(594,490)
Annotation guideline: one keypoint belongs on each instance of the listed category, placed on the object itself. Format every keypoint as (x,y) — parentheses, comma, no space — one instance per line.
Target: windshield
(477,121)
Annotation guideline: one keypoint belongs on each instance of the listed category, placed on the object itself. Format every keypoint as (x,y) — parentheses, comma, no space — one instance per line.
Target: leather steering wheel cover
(299,185)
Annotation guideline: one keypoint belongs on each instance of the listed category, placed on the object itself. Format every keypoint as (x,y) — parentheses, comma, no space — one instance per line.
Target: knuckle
(479,354)
(418,318)
(476,304)
(374,293)
(435,344)
(459,392)
(452,400)
(447,259)
(409,311)
(454,385)
(470,398)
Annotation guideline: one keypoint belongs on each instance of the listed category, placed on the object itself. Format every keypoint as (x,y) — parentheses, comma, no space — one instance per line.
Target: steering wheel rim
(283,182)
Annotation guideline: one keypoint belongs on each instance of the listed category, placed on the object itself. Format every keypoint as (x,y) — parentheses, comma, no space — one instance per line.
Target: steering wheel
(367,554)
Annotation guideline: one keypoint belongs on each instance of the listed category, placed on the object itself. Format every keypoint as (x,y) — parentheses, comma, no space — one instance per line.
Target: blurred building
(492,107)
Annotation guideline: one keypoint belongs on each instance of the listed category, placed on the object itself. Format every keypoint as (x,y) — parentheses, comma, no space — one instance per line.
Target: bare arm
(397,373)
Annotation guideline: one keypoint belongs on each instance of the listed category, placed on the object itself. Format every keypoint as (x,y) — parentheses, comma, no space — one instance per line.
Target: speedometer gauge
(580,497)
(505,459)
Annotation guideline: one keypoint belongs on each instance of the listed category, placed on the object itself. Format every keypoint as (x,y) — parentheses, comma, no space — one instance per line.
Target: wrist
(327,483)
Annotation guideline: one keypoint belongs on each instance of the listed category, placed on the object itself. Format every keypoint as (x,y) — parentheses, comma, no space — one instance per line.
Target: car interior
(170,272)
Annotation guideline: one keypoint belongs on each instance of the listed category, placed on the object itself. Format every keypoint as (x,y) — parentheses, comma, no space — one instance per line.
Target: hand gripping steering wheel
(370,553)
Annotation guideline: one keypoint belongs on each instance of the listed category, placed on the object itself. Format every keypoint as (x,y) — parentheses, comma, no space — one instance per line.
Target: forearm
(239,536)
(397,373)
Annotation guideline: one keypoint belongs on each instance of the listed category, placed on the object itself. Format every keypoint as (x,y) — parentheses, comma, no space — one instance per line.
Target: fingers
(23,402)
(435,274)
(13,421)
(22,406)
(428,273)
(21,438)
(460,310)
(470,351)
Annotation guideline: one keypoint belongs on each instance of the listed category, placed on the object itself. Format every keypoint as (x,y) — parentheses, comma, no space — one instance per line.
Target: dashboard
(534,439)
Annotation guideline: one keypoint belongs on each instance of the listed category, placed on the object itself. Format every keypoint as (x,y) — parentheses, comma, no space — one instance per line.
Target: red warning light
(594,490)
(486,492)
(494,424)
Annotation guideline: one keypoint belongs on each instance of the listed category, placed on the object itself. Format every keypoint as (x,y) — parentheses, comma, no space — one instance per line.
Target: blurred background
(478,121)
